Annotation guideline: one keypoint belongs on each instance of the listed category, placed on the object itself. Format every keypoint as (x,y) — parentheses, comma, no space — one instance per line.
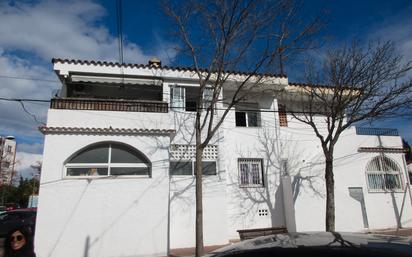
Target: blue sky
(33,32)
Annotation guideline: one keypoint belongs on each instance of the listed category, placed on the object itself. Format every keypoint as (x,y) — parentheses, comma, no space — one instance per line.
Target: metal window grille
(250,172)
(383,174)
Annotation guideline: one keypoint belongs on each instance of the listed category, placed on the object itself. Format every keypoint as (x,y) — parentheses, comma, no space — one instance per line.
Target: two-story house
(118,166)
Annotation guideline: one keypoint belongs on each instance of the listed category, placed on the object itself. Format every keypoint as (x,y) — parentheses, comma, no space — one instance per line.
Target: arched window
(383,174)
(108,159)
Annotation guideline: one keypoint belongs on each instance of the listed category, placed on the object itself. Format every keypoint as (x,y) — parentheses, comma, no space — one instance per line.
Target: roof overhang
(104,131)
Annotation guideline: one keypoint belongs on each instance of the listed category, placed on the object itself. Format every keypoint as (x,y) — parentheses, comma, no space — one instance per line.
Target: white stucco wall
(384,209)
(244,203)
(146,216)
(106,216)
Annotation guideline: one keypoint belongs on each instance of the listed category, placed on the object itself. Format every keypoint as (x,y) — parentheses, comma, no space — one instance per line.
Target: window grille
(283,119)
(250,172)
(383,174)
(188,152)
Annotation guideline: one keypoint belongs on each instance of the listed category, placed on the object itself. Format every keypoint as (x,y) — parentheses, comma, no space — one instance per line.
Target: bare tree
(362,84)
(295,35)
(221,36)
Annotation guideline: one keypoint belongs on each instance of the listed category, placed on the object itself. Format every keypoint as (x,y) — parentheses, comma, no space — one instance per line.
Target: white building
(117,176)
(7,159)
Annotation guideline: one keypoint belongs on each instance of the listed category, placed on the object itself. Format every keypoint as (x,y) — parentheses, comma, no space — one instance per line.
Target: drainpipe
(288,206)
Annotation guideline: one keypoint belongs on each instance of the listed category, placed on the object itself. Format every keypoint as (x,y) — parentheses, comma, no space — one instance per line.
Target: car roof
(23,210)
(317,239)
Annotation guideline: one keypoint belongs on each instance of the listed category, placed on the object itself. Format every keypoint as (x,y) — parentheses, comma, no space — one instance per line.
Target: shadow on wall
(248,201)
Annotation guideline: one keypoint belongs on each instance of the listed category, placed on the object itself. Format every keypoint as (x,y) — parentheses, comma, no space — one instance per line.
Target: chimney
(155,62)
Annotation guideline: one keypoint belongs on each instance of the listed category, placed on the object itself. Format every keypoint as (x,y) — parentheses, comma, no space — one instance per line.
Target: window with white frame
(250,172)
(247,115)
(177,97)
(207,97)
(186,98)
(383,174)
(108,159)
(188,168)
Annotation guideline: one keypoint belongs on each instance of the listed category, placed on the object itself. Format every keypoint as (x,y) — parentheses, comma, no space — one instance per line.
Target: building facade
(7,159)
(118,166)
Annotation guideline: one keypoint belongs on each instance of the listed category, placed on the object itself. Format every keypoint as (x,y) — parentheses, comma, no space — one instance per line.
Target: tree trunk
(330,193)
(199,194)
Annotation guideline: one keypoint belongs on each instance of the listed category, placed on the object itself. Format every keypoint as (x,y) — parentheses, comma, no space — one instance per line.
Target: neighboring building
(118,165)
(7,159)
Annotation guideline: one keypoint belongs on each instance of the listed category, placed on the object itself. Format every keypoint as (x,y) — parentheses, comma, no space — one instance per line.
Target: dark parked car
(11,206)
(17,218)
(319,244)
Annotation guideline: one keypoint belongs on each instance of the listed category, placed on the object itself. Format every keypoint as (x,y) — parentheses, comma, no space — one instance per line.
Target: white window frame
(243,108)
(207,97)
(250,180)
(107,165)
(371,172)
(178,103)
(193,165)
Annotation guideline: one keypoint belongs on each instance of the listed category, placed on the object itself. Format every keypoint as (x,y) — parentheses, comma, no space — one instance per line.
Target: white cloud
(66,29)
(32,34)
(24,162)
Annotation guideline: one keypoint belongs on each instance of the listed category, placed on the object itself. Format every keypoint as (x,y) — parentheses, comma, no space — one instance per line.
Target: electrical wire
(28,78)
(30,114)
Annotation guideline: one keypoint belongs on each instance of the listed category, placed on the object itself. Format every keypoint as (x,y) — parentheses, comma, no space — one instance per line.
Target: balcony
(376,131)
(109,105)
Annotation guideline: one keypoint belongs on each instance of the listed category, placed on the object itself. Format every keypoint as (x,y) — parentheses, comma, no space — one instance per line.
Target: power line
(30,114)
(28,78)
(24,100)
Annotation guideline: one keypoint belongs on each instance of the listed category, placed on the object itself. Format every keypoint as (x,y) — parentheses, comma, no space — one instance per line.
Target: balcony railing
(109,105)
(376,131)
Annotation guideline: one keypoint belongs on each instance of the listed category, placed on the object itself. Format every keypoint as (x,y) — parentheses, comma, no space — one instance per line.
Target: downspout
(286,183)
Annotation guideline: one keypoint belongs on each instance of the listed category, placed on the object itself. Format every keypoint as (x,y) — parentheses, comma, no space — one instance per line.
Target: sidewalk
(188,252)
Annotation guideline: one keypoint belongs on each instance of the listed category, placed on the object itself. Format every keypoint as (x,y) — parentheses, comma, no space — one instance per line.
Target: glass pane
(392,181)
(86,171)
(180,168)
(93,154)
(191,106)
(209,168)
(244,174)
(177,97)
(123,154)
(375,181)
(253,119)
(128,171)
(240,119)
(207,97)
(255,173)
